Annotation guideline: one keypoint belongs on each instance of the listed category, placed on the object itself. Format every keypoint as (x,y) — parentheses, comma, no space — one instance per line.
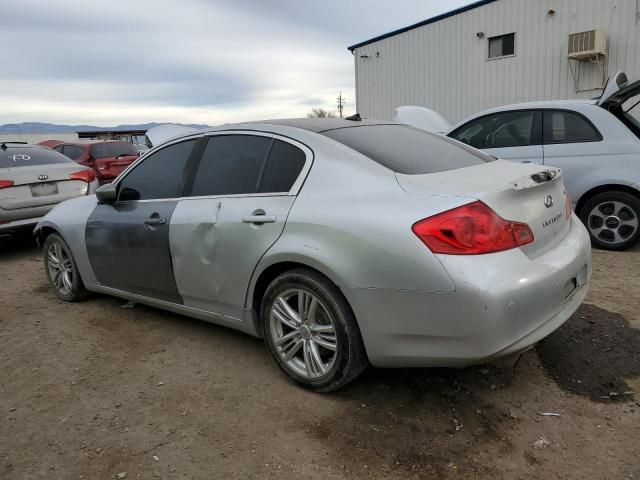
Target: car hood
(423,118)
(162,133)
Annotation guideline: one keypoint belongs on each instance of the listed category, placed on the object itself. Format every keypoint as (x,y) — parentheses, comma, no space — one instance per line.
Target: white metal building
(496,52)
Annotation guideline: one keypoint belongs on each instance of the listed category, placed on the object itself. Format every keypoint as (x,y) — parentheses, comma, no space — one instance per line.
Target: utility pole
(341,102)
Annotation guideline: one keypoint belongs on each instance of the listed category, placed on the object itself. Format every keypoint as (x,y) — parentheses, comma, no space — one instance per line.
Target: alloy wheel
(60,268)
(612,222)
(303,333)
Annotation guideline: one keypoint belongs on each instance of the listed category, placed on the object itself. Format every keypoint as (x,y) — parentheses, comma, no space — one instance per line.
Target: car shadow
(593,354)
(18,246)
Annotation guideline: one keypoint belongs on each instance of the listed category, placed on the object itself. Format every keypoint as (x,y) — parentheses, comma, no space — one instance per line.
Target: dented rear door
(216,244)
(243,189)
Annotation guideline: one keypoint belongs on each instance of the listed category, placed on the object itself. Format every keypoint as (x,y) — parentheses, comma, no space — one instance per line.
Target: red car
(50,143)
(107,158)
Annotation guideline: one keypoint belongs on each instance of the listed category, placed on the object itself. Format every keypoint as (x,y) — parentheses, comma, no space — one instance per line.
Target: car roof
(93,142)
(541,104)
(7,145)
(316,125)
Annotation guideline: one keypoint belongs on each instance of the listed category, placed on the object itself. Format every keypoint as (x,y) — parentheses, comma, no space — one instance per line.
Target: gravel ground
(94,390)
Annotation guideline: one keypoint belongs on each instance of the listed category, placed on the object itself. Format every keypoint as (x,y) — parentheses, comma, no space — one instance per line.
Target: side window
(231,165)
(501,130)
(568,127)
(58,148)
(160,175)
(502,46)
(283,168)
(72,151)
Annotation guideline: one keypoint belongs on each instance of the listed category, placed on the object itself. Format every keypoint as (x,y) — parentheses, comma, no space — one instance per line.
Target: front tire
(612,219)
(61,270)
(311,331)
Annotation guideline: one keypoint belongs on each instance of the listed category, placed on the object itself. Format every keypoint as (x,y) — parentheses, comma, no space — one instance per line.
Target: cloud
(195,61)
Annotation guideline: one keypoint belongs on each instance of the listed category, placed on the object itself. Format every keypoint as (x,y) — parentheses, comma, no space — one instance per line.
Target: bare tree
(321,113)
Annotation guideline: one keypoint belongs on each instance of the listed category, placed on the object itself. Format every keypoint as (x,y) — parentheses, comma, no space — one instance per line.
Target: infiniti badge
(548,201)
(42,176)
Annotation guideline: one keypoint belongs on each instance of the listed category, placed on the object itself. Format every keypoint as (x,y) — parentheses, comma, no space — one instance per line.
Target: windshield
(26,156)
(112,149)
(408,150)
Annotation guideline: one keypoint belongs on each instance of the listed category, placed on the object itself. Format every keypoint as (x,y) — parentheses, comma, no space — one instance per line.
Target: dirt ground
(97,391)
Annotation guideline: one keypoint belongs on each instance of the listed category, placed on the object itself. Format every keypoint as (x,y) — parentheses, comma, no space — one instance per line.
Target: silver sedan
(341,243)
(33,179)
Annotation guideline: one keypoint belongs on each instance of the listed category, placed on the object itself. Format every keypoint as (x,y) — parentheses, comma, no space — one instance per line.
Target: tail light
(84,175)
(6,183)
(472,229)
(567,206)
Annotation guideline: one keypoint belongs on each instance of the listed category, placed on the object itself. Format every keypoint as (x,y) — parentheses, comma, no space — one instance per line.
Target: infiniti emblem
(548,201)
(43,176)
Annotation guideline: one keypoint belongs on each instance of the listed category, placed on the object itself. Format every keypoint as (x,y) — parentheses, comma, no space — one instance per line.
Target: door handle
(259,218)
(155,221)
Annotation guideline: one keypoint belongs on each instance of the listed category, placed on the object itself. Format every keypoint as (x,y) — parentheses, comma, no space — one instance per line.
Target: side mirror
(107,193)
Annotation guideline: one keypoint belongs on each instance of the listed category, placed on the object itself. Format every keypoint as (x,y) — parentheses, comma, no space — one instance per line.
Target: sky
(187,61)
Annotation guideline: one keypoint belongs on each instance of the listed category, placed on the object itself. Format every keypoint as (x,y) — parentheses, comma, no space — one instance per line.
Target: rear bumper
(502,304)
(24,215)
(19,225)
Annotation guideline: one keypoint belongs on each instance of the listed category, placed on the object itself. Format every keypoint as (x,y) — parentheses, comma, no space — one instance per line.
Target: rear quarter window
(408,150)
(24,157)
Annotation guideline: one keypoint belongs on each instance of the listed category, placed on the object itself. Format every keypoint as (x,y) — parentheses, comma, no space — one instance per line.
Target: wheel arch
(609,187)
(269,272)
(42,231)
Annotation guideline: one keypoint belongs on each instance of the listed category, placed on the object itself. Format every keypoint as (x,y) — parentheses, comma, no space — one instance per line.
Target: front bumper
(503,303)
(19,225)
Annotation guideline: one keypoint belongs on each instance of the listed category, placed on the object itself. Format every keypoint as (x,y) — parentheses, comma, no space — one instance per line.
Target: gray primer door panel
(128,246)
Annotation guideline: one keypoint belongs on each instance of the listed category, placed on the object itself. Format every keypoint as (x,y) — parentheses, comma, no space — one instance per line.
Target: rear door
(241,195)
(572,142)
(511,135)
(128,241)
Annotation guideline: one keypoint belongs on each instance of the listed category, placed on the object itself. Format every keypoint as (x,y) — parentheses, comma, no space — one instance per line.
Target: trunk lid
(38,185)
(618,91)
(531,194)
(109,168)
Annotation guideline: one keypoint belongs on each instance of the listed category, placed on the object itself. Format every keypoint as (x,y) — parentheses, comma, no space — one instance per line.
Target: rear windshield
(25,156)
(112,149)
(408,150)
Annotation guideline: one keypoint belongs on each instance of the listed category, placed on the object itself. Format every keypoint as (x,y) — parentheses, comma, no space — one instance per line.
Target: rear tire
(612,219)
(61,270)
(320,349)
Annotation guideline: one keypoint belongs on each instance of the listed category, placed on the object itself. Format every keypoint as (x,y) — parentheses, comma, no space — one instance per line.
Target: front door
(128,244)
(128,241)
(242,192)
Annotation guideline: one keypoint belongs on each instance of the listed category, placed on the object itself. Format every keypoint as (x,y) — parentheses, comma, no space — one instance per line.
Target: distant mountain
(38,127)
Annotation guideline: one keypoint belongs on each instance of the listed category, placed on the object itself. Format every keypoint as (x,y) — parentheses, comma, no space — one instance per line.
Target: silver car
(33,179)
(341,243)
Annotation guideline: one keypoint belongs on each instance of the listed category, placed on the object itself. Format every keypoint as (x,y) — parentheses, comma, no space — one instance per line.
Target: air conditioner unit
(584,45)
